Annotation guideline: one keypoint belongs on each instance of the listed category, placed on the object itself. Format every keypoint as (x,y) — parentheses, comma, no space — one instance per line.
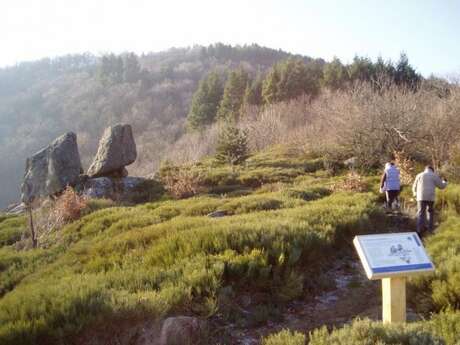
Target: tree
(131,68)
(406,74)
(270,86)
(111,69)
(233,97)
(232,145)
(290,79)
(205,102)
(253,92)
(361,69)
(335,75)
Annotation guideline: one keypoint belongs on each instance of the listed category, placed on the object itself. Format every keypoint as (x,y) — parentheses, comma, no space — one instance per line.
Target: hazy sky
(428,31)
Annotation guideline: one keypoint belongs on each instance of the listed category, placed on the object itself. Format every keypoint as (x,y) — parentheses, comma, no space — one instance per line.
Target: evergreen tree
(205,102)
(406,74)
(296,79)
(131,68)
(232,145)
(290,79)
(111,69)
(232,100)
(253,92)
(361,69)
(335,75)
(270,86)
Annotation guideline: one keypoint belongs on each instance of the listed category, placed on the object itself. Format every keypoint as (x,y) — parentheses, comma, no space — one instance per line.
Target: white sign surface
(387,255)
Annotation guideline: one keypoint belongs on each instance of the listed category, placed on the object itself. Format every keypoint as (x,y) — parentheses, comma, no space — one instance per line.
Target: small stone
(182,330)
(217,214)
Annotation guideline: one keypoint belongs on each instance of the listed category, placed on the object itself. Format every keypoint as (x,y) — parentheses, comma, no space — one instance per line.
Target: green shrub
(441,289)
(285,337)
(93,205)
(447,326)
(11,229)
(366,332)
(232,145)
(251,203)
(308,194)
(152,259)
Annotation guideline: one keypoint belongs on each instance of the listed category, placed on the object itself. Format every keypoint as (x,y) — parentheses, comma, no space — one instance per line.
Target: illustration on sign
(399,251)
(390,254)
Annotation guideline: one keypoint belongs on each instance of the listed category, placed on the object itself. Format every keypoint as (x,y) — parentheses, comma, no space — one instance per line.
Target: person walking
(390,184)
(424,191)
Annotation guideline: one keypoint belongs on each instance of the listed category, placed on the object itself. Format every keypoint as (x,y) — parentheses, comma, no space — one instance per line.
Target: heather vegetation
(168,256)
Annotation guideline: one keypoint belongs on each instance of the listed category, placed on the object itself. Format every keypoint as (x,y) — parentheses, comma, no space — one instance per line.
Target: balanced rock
(116,150)
(52,169)
(182,330)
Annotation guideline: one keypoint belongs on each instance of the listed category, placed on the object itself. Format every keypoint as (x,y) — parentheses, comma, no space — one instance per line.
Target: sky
(426,30)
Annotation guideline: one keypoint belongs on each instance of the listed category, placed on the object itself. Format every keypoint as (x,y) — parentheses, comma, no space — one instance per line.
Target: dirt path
(350,295)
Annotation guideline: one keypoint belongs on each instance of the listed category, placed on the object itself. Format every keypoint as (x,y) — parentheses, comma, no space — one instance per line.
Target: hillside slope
(168,257)
(84,93)
(283,219)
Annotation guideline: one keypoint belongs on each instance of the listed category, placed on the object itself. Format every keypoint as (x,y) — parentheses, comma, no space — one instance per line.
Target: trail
(350,295)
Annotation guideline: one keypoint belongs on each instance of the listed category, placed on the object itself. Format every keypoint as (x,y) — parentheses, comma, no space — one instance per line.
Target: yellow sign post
(394,299)
(391,258)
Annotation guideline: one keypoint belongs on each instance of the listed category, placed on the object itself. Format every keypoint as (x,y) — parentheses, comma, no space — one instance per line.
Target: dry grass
(181,182)
(353,182)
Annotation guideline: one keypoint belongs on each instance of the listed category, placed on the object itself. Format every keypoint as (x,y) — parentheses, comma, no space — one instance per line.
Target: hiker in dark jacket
(390,184)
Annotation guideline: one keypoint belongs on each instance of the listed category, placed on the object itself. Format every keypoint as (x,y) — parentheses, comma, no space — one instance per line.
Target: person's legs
(430,213)
(392,195)
(421,216)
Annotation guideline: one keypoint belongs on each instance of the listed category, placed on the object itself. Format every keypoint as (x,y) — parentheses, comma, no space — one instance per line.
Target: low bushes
(285,337)
(11,229)
(154,258)
(366,332)
(441,289)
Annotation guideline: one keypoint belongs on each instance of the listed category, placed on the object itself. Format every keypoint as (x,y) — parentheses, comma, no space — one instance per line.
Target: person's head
(429,168)
(389,164)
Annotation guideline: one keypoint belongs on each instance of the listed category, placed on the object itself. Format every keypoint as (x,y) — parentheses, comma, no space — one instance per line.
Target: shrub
(353,182)
(181,182)
(68,207)
(285,337)
(365,332)
(406,167)
(11,229)
(447,326)
(441,289)
(232,145)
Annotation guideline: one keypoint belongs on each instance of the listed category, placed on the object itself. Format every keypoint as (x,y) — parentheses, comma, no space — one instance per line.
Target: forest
(170,98)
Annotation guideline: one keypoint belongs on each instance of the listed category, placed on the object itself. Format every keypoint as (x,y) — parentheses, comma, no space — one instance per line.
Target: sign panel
(388,255)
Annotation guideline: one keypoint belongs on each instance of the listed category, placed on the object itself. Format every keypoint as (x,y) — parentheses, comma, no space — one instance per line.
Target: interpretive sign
(389,255)
(392,257)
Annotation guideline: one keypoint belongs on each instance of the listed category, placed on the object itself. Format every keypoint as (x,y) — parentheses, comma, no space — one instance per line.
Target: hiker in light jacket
(390,183)
(424,191)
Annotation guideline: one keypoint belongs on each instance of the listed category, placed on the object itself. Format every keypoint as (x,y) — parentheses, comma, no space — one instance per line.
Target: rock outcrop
(117,149)
(52,169)
(182,330)
(110,188)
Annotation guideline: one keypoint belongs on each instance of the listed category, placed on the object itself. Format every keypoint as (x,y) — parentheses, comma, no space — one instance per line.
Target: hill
(282,220)
(40,100)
